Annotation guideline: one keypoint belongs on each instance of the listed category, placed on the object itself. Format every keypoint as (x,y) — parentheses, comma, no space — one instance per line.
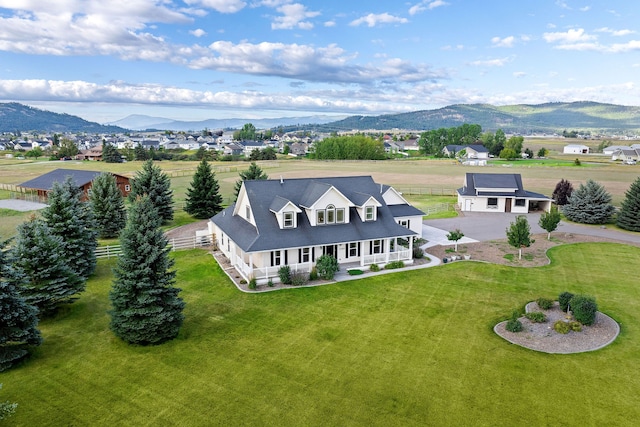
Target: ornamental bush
(575,326)
(544,303)
(284,273)
(536,317)
(394,264)
(418,253)
(314,274)
(561,327)
(584,309)
(564,299)
(514,324)
(298,278)
(327,267)
(374,267)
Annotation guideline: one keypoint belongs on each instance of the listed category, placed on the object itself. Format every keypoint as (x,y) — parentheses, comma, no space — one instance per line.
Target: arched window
(331,214)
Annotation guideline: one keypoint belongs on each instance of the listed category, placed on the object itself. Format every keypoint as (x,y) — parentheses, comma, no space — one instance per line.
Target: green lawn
(411,348)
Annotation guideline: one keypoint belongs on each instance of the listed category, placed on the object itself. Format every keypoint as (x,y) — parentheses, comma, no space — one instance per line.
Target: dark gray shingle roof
(268,235)
(45,182)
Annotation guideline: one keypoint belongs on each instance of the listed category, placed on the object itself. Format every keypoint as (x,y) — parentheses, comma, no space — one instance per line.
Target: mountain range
(522,118)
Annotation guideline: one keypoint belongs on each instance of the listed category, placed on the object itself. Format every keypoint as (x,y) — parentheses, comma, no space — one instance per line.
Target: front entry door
(507,205)
(331,250)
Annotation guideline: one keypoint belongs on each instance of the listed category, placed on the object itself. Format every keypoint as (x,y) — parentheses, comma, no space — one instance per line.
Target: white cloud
(198,32)
(330,24)
(615,33)
(504,42)
(519,74)
(375,19)
(571,36)
(426,5)
(293,16)
(222,6)
(585,9)
(499,62)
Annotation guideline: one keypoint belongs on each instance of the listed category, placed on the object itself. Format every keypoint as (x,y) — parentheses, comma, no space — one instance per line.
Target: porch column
(361,253)
(251,264)
(410,247)
(386,248)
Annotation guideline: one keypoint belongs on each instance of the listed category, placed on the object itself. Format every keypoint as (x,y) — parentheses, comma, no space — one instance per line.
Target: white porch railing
(388,257)
(265,273)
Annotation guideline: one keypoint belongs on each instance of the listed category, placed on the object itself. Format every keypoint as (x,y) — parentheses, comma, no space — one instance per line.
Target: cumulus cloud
(222,6)
(519,74)
(198,32)
(577,35)
(503,42)
(498,62)
(293,16)
(372,19)
(615,33)
(426,5)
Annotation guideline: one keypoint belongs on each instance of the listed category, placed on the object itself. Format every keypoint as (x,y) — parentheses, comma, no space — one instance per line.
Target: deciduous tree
(629,215)
(157,185)
(519,234)
(72,220)
(549,220)
(107,205)
(203,195)
(146,308)
(562,192)
(589,204)
(18,320)
(454,236)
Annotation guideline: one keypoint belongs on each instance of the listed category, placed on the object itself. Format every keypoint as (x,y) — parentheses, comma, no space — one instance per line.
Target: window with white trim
(492,203)
(353,249)
(127,187)
(331,214)
(376,247)
(520,202)
(369,213)
(287,220)
(340,215)
(320,217)
(306,255)
(404,223)
(276,258)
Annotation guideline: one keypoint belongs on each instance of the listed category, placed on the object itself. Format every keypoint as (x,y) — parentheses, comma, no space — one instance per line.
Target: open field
(411,348)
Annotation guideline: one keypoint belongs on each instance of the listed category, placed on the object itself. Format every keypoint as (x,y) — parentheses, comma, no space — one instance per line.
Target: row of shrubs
(583,307)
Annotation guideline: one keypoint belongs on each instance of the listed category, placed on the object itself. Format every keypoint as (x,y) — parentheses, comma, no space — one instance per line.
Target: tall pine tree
(38,256)
(203,195)
(110,153)
(157,185)
(107,205)
(589,204)
(72,220)
(629,215)
(146,308)
(18,320)
(254,172)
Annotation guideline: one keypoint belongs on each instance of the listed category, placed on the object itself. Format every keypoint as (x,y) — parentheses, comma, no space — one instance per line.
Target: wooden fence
(429,191)
(440,207)
(192,242)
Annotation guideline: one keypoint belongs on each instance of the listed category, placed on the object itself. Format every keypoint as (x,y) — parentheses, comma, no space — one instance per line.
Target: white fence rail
(175,244)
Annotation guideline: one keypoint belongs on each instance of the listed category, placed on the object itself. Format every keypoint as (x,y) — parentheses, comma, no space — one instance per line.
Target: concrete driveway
(21,205)
(483,226)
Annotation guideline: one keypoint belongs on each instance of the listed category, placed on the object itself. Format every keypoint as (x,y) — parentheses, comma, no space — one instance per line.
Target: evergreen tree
(253,173)
(72,220)
(110,154)
(562,192)
(146,307)
(157,185)
(18,320)
(549,220)
(589,204)
(140,153)
(203,196)
(107,205)
(629,215)
(39,257)
(519,234)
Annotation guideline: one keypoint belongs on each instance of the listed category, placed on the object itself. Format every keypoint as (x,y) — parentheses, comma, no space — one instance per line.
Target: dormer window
(340,215)
(287,218)
(320,217)
(369,213)
(331,214)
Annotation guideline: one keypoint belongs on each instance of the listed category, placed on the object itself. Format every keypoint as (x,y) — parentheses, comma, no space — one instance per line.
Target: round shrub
(270,283)
(327,267)
(418,253)
(564,299)
(536,317)
(298,278)
(314,274)
(514,324)
(561,327)
(253,283)
(544,303)
(394,264)
(575,326)
(374,267)
(584,309)
(284,273)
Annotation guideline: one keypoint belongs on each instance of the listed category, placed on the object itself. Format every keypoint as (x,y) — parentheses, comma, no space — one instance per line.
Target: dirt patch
(542,337)
(500,252)
(188,230)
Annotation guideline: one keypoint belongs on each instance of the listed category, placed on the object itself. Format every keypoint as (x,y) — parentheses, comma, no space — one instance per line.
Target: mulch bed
(542,337)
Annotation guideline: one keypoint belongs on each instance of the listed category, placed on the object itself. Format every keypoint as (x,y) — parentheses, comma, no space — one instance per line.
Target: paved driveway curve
(483,226)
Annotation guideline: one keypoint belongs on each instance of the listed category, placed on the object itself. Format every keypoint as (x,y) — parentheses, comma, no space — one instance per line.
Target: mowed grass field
(410,348)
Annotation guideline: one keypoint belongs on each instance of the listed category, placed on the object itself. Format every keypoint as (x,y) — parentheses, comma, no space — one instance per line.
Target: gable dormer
(286,212)
(391,196)
(324,204)
(366,206)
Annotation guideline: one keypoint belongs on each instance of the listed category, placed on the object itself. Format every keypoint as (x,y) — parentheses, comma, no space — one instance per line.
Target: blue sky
(197,59)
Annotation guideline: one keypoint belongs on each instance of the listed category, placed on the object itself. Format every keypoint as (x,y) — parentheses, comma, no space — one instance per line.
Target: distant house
(83,179)
(294,221)
(626,154)
(248,146)
(472,151)
(90,154)
(608,151)
(575,149)
(496,192)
